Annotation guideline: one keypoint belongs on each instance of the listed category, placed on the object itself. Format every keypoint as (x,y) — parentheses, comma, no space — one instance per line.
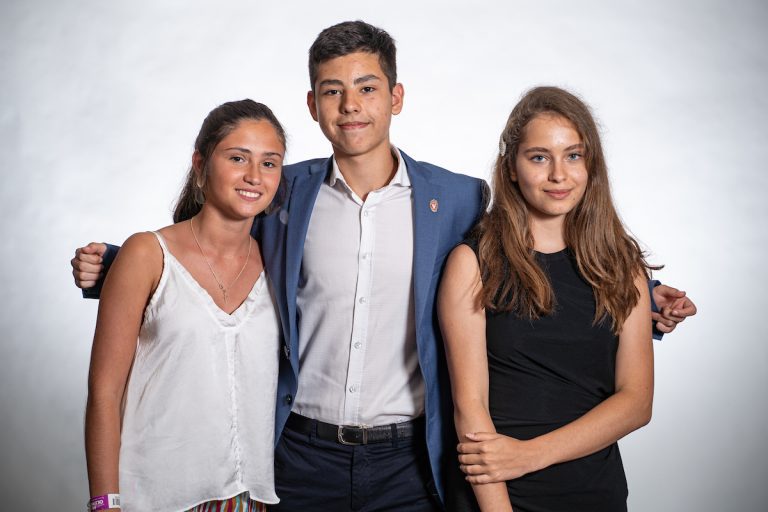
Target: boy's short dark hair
(351,37)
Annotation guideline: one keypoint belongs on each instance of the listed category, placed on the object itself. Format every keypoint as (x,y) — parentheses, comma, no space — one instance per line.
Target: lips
(558,194)
(352,125)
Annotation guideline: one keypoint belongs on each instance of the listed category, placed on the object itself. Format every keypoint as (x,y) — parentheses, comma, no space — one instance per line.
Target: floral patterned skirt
(240,503)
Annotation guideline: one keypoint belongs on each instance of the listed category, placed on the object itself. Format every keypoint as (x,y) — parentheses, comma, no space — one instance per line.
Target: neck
(548,234)
(368,172)
(219,235)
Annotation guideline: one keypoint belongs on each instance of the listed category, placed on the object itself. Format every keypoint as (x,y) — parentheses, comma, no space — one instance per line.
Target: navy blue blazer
(457,201)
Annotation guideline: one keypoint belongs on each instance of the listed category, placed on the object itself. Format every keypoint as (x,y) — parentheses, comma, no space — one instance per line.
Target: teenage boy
(355,255)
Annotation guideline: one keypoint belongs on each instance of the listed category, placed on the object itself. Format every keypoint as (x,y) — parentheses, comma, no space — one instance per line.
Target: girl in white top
(184,419)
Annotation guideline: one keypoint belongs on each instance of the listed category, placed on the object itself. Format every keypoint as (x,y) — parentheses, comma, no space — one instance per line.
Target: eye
(269,164)
(574,156)
(331,92)
(237,159)
(368,88)
(538,158)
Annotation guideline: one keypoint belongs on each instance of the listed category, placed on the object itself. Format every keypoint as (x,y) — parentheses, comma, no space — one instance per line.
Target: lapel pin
(433,205)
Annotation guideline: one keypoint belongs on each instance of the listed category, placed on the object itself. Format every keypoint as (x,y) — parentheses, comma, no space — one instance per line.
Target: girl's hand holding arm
(494,458)
(462,322)
(131,281)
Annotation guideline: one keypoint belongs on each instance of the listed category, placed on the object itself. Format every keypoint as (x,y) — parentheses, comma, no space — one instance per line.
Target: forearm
(474,417)
(602,426)
(102,445)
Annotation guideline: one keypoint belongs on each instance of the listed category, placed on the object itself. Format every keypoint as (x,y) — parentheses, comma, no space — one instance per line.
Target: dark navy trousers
(317,474)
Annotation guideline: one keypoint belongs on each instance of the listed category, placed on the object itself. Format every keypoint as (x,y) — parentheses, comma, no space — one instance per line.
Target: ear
(197,166)
(397,98)
(197,161)
(513,173)
(311,104)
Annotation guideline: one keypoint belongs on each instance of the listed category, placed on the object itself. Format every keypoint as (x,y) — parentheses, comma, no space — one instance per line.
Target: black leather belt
(354,435)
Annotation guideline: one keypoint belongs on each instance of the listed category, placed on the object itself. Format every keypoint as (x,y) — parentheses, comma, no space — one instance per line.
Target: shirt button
(358,344)
(287,351)
(362,300)
(352,389)
(365,213)
(288,399)
(365,255)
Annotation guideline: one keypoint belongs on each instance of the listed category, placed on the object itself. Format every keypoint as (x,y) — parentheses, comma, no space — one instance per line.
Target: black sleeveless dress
(546,373)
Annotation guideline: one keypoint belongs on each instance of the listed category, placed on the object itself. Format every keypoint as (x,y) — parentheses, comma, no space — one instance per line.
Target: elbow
(643,414)
(647,415)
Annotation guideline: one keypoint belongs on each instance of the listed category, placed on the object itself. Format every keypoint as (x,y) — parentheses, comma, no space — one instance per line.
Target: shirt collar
(400,178)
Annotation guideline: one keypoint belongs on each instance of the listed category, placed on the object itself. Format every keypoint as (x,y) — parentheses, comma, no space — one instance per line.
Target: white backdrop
(100,103)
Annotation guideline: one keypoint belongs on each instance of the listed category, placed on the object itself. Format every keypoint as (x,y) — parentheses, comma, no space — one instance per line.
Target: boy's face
(353,104)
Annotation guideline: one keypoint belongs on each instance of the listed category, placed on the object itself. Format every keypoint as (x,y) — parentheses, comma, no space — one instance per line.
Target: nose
(349,103)
(557,171)
(253,176)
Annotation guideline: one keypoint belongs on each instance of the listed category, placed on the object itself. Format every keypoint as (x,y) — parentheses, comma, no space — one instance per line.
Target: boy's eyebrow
(330,81)
(366,78)
(358,80)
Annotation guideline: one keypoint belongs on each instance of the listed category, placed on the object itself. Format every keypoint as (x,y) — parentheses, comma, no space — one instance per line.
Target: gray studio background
(100,103)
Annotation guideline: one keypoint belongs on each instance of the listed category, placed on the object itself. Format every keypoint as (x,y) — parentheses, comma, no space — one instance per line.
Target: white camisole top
(199,409)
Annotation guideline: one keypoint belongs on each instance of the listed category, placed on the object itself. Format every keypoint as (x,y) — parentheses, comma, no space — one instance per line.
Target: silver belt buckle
(340,436)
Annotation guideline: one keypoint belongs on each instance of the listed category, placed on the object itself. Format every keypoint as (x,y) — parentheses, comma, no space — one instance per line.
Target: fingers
(669,292)
(472,469)
(684,308)
(481,436)
(82,256)
(483,477)
(669,314)
(666,329)
(662,321)
(95,248)
(468,447)
(86,265)
(478,479)
(470,458)
(85,274)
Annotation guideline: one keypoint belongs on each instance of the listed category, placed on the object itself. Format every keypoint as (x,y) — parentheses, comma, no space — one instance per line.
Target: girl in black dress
(546,320)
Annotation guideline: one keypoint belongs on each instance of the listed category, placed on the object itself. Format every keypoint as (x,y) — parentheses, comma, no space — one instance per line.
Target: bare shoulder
(142,245)
(463,260)
(141,254)
(462,272)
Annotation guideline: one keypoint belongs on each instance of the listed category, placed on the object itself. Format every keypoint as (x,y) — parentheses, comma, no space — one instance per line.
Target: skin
(354,106)
(248,159)
(486,457)
(552,176)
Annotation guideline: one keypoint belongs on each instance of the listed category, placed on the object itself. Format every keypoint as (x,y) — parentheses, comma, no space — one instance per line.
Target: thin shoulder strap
(161,241)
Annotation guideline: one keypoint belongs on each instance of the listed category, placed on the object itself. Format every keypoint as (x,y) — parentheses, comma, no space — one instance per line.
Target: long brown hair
(217,125)
(607,257)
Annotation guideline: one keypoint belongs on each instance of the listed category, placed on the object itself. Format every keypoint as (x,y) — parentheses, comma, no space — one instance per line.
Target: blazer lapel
(426,232)
(304,192)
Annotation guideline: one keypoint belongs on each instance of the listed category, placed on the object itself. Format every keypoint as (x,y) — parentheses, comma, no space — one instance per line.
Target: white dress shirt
(358,363)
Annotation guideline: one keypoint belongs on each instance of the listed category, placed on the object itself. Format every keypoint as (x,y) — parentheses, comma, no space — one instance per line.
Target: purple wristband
(104,502)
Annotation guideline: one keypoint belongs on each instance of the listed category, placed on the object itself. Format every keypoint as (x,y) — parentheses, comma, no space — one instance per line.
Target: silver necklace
(218,281)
